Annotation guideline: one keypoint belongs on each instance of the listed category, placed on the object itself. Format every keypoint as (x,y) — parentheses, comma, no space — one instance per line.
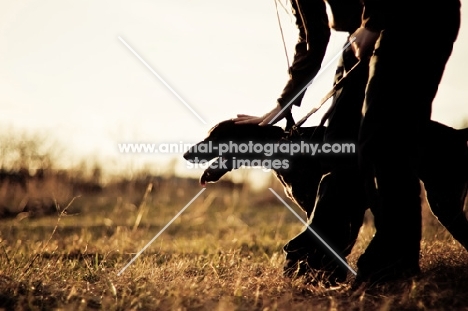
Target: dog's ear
(228,130)
(221,129)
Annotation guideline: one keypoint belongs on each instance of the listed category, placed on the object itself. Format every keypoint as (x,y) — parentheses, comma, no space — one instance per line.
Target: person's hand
(271,117)
(363,42)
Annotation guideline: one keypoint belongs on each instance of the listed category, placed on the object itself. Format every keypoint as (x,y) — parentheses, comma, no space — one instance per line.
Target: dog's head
(221,143)
(300,173)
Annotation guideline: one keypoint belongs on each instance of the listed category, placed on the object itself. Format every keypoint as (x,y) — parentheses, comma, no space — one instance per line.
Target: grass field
(223,253)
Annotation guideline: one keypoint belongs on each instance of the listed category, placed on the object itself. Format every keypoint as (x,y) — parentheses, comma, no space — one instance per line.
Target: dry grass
(223,253)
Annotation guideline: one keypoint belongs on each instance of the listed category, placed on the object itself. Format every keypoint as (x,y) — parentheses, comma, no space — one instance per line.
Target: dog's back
(443,153)
(443,158)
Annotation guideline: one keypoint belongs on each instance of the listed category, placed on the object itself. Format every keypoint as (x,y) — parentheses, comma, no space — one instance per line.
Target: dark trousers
(341,201)
(405,72)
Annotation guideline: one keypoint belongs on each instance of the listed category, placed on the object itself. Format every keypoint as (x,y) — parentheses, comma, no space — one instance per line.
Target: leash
(291,126)
(332,92)
(289,118)
(281,30)
(325,99)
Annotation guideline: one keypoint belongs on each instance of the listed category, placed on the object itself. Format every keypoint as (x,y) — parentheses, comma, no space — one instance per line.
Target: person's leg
(340,204)
(397,107)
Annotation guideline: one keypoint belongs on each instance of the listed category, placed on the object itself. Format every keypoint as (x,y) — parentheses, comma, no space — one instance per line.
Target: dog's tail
(464,133)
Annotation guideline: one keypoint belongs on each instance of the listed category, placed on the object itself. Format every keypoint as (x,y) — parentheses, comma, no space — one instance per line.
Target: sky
(64,71)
